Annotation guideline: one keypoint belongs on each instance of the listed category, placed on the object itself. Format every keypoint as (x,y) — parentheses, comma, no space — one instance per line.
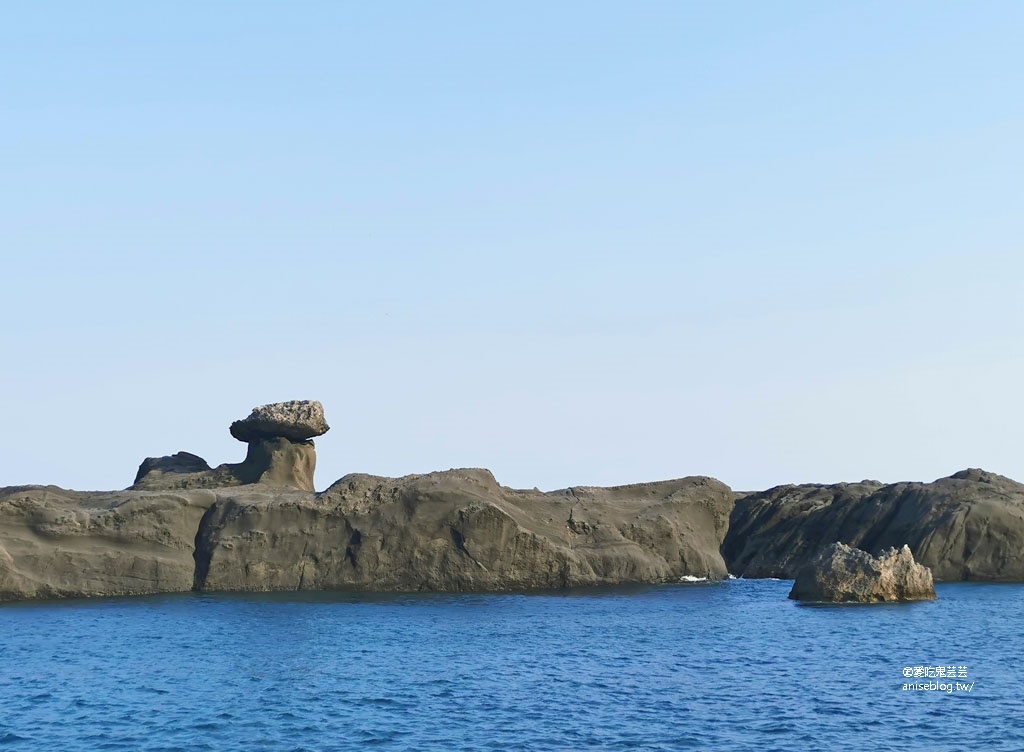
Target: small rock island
(841,574)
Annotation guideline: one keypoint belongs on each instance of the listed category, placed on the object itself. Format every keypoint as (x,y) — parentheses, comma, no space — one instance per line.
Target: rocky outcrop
(56,543)
(843,574)
(259,525)
(278,462)
(969,526)
(171,473)
(296,421)
(450,531)
(460,530)
(181,463)
(280,453)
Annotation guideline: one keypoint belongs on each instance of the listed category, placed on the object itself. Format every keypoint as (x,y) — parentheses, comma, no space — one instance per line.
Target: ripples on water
(731,666)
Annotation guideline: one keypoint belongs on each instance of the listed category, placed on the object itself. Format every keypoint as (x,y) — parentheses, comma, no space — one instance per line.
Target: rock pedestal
(843,574)
(278,462)
(280,453)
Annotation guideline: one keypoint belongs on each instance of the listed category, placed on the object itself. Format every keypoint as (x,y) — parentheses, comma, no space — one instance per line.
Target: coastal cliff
(457,530)
(460,530)
(258,525)
(969,526)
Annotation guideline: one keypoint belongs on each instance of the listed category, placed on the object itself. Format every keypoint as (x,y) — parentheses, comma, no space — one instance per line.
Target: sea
(730,665)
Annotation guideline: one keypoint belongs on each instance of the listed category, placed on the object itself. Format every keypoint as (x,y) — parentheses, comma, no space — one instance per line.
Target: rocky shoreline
(969,526)
(258,525)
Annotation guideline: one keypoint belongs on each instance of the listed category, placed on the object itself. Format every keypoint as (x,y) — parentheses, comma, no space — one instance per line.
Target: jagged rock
(969,526)
(297,420)
(842,574)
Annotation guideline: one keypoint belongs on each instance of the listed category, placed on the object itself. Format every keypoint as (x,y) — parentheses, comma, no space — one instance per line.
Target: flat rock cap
(297,420)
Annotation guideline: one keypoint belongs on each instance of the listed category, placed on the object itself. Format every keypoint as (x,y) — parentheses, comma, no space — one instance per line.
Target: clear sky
(578,243)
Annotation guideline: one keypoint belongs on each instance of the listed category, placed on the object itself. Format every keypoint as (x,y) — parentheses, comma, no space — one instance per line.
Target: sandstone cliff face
(448,531)
(969,526)
(460,530)
(277,462)
(56,543)
(258,525)
(843,574)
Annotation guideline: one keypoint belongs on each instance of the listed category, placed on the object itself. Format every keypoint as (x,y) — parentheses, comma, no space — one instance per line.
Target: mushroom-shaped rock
(297,420)
(840,573)
(280,453)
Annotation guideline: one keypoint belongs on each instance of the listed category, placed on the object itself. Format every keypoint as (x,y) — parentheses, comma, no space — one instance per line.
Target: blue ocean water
(704,666)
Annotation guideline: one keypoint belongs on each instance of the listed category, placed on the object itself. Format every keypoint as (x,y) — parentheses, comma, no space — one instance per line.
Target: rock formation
(454,531)
(843,574)
(259,525)
(460,530)
(278,462)
(969,526)
(56,543)
(296,421)
(181,463)
(280,453)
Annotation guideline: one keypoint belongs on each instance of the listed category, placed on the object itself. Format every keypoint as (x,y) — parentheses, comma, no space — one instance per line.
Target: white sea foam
(691,578)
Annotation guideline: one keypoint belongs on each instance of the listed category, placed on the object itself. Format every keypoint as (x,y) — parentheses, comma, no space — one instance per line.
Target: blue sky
(576,243)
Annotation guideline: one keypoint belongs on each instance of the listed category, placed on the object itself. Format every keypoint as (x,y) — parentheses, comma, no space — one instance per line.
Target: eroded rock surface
(297,420)
(259,525)
(181,463)
(843,574)
(279,462)
(280,453)
(460,530)
(969,526)
(449,531)
(56,543)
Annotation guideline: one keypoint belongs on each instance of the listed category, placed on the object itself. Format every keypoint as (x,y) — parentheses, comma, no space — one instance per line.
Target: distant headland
(259,525)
